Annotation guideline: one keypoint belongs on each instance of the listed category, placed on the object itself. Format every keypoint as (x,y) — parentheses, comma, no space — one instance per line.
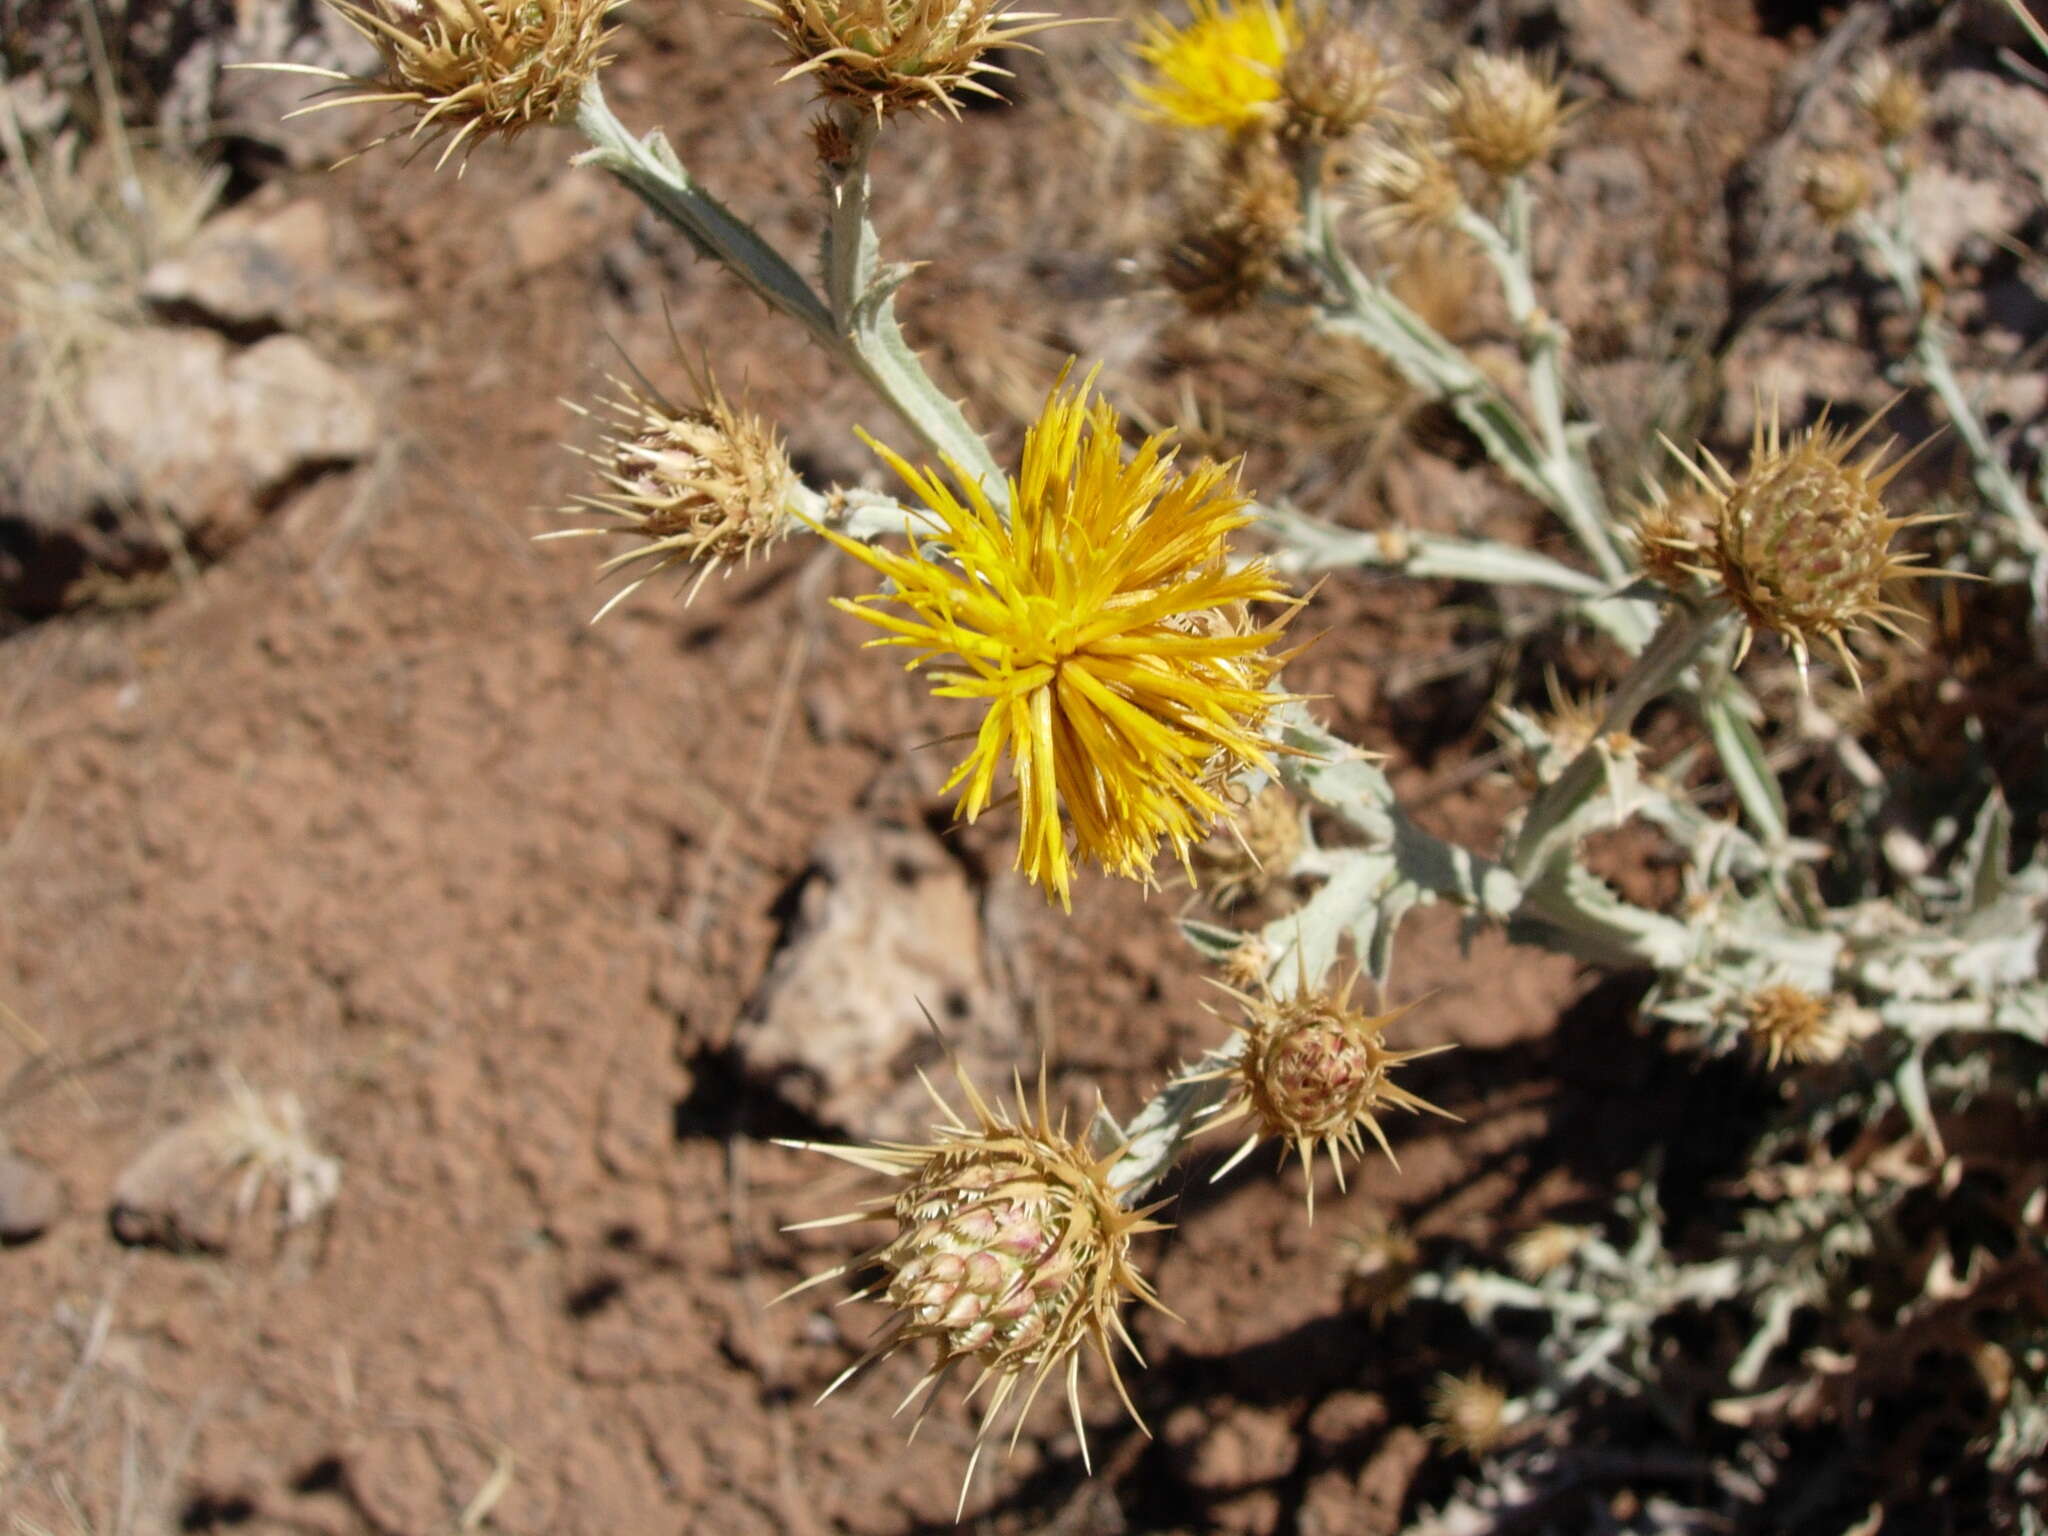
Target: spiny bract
(1100,625)
(1011,1249)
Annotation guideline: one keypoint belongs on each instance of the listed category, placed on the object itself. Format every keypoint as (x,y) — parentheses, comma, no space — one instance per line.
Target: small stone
(174,1195)
(30,1200)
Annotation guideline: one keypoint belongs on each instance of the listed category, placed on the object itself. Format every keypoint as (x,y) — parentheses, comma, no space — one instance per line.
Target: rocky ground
(326,819)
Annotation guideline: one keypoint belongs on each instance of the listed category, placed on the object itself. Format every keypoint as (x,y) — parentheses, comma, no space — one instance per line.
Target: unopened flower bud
(1802,544)
(1790,1023)
(702,487)
(1316,1071)
(1010,1249)
(1413,187)
(471,70)
(1333,83)
(1500,111)
(1835,187)
(892,55)
(1252,852)
(1892,101)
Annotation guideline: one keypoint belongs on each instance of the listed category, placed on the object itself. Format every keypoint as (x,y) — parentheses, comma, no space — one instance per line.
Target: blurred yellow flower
(1222,68)
(1103,628)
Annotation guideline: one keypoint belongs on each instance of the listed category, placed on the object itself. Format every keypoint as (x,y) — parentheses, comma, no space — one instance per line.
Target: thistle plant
(1112,624)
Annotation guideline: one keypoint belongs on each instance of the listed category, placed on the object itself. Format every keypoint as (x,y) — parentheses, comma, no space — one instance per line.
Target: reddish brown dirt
(369,813)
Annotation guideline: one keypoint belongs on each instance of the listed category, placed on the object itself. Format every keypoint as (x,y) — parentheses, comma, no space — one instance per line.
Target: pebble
(30,1200)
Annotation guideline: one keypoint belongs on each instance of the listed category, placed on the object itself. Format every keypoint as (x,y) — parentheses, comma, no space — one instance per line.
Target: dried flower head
(471,70)
(1568,727)
(1334,82)
(1252,851)
(1414,188)
(1382,1259)
(1221,68)
(1233,249)
(1801,544)
(1315,1071)
(1790,1023)
(702,487)
(1468,1413)
(1835,186)
(1011,1250)
(1546,1249)
(1892,100)
(888,56)
(1094,627)
(1501,111)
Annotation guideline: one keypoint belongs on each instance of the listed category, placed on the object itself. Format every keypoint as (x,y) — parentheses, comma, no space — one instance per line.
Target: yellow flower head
(1220,70)
(1100,627)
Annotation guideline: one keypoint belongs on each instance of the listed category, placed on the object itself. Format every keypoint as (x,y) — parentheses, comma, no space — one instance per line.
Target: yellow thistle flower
(1314,1071)
(473,69)
(1221,69)
(702,487)
(1468,1413)
(1791,1024)
(1011,1249)
(1101,627)
(889,55)
(1800,541)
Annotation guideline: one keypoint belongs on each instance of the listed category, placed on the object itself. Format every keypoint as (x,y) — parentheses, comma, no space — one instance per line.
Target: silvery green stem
(1569,486)
(855,320)
(1894,247)
(1686,631)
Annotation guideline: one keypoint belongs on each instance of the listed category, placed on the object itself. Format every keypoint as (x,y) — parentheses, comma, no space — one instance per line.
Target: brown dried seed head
(1334,82)
(1233,249)
(1801,540)
(1500,111)
(1467,1413)
(1790,1023)
(1252,852)
(1892,100)
(1382,1261)
(704,487)
(1835,186)
(470,70)
(1672,532)
(1010,1249)
(1316,1071)
(894,55)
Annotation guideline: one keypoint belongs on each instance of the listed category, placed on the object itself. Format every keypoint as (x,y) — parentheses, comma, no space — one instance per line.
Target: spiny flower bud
(892,55)
(1414,188)
(1382,1261)
(1801,544)
(1252,852)
(1334,82)
(703,487)
(475,69)
(1790,1023)
(1544,1250)
(1011,1249)
(1892,100)
(1468,1413)
(1500,111)
(1315,1070)
(1835,187)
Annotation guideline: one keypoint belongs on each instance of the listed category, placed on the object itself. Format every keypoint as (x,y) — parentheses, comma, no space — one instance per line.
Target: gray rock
(30,1200)
(886,929)
(277,268)
(176,1194)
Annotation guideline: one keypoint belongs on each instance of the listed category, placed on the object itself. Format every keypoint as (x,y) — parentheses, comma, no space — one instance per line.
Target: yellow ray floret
(1222,68)
(1101,627)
